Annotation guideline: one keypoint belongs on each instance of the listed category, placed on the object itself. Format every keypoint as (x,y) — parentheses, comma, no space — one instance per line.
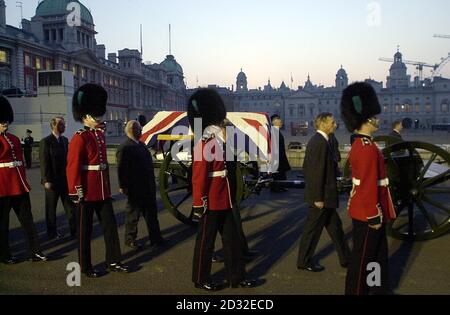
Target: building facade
(296,107)
(419,104)
(48,42)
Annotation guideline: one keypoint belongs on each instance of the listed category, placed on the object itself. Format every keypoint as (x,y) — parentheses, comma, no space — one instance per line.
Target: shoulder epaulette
(81,131)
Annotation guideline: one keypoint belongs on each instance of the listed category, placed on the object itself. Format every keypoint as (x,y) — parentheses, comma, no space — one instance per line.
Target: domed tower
(175,76)
(341,79)
(398,77)
(241,82)
(51,25)
(308,84)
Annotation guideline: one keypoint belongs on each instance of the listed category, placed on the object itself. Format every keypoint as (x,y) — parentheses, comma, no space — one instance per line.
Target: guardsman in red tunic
(14,189)
(211,194)
(370,205)
(88,179)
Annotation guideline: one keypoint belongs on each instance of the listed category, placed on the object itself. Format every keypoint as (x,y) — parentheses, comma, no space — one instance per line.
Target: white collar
(213,131)
(56,136)
(324,135)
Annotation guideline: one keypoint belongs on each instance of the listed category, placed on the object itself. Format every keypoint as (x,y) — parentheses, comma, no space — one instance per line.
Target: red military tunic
(87,166)
(13,180)
(210,186)
(370,199)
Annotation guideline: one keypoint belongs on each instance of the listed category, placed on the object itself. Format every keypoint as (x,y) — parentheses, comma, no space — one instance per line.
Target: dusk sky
(267,38)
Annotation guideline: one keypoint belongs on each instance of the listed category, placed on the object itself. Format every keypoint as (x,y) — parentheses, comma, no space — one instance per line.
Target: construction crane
(444,61)
(441,36)
(419,65)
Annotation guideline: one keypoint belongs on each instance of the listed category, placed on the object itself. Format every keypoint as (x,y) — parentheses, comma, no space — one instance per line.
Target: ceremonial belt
(100,167)
(11,164)
(222,174)
(381,183)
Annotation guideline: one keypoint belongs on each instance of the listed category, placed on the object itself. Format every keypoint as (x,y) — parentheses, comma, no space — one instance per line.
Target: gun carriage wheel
(175,181)
(419,176)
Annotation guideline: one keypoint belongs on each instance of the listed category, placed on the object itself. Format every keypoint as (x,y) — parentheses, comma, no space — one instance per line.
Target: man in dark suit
(283,166)
(334,143)
(320,169)
(137,182)
(53,160)
(397,127)
(28,148)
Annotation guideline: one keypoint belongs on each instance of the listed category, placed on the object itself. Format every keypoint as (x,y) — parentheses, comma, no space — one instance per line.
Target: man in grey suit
(321,169)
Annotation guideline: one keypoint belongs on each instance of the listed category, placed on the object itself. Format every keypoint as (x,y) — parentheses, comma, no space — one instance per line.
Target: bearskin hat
(359,103)
(90,99)
(207,105)
(6,112)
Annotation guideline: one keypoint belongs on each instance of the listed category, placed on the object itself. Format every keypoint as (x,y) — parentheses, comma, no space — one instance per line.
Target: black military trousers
(317,220)
(211,223)
(149,210)
(28,154)
(107,219)
(369,246)
(51,203)
(22,207)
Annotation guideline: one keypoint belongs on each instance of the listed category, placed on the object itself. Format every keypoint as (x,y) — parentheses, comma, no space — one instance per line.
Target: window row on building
(417,108)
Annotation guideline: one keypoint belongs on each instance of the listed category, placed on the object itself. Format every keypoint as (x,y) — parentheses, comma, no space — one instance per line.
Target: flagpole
(142,49)
(170,39)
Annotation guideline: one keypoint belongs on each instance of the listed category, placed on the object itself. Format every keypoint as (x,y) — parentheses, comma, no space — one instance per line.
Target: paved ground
(273,224)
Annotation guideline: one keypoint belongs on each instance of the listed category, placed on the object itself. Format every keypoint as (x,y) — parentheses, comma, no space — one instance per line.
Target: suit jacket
(53,160)
(284,162)
(28,144)
(320,169)
(334,143)
(136,171)
(396,134)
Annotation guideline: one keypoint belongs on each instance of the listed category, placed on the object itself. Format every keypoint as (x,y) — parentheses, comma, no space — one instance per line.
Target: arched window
(417,108)
(301,110)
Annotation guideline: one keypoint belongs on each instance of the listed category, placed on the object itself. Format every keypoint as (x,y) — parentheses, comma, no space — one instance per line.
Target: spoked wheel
(419,175)
(175,181)
(175,178)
